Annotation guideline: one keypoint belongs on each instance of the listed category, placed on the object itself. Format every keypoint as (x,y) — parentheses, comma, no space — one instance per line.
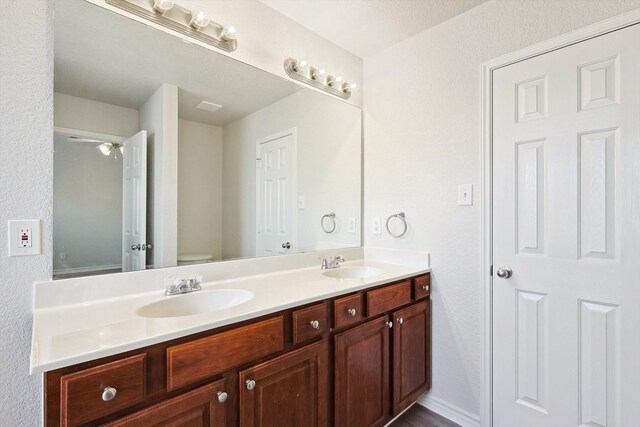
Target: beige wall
(199,189)
(328,171)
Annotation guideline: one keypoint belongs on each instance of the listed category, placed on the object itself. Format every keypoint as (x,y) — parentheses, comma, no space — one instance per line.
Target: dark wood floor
(419,416)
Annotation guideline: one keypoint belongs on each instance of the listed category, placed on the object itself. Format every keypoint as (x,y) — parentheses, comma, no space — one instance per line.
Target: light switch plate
(375,225)
(24,237)
(465,194)
(351,226)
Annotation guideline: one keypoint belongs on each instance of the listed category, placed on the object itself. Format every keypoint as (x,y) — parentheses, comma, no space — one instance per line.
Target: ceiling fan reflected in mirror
(106,148)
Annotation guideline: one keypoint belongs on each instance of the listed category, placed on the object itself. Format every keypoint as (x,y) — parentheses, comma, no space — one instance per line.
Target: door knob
(136,247)
(400,320)
(222,396)
(504,272)
(250,384)
(389,324)
(286,245)
(352,311)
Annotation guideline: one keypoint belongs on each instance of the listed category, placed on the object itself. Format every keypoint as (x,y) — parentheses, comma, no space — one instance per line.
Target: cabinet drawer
(347,310)
(388,298)
(204,406)
(304,322)
(199,359)
(422,286)
(81,393)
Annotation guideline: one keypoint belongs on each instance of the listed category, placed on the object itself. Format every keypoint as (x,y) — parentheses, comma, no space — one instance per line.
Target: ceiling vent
(208,106)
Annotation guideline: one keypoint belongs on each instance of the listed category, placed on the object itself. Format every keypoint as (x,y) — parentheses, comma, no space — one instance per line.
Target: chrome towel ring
(331,227)
(402,218)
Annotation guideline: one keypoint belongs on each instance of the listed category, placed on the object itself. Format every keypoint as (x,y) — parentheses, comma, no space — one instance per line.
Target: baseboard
(449,411)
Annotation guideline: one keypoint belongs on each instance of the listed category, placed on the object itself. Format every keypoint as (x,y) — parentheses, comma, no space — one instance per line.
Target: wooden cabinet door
(411,354)
(288,391)
(203,407)
(362,375)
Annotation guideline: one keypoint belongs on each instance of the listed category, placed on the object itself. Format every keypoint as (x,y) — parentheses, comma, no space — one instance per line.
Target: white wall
(26,138)
(26,135)
(84,114)
(88,186)
(87,207)
(328,170)
(266,38)
(159,117)
(199,189)
(422,139)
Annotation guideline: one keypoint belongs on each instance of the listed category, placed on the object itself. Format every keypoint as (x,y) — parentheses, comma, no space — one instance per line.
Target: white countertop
(64,335)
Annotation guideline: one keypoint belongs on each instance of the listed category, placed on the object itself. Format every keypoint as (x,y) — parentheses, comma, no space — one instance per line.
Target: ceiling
(91,63)
(365,27)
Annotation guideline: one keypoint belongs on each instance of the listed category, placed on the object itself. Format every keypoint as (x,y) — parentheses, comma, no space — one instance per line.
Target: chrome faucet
(175,286)
(331,263)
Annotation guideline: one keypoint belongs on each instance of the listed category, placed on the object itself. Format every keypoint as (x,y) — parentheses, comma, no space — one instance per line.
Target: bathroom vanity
(358,356)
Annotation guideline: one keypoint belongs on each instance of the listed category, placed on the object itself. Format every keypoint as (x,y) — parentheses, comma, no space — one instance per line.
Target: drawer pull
(315,324)
(222,396)
(109,393)
(389,324)
(250,384)
(400,320)
(352,312)
(425,288)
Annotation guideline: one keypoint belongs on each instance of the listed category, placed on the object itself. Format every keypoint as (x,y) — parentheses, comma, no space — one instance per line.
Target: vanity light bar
(301,71)
(192,23)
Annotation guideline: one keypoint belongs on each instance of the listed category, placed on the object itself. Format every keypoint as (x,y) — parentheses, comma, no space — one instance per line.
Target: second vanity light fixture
(193,23)
(318,78)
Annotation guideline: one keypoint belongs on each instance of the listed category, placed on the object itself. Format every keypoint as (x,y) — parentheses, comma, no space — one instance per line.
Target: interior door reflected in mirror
(169,153)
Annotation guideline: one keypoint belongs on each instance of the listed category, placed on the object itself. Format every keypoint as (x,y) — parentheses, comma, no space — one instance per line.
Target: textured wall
(422,139)
(26,168)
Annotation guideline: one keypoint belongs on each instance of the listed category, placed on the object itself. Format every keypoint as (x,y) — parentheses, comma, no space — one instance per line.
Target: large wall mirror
(168,153)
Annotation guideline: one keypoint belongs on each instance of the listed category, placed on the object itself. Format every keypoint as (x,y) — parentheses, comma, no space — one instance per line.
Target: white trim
(449,411)
(487,68)
(294,189)
(88,134)
(87,269)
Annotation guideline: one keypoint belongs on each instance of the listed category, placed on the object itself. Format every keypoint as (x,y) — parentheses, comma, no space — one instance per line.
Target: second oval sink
(352,272)
(195,303)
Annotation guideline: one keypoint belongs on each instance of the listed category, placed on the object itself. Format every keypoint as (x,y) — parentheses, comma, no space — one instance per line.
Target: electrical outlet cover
(24,237)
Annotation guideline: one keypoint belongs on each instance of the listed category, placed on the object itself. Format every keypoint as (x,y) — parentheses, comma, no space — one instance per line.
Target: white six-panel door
(566,220)
(276,210)
(134,202)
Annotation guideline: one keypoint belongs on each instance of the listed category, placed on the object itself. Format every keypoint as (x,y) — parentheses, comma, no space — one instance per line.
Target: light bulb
(105,148)
(162,5)
(339,79)
(303,63)
(228,33)
(322,72)
(199,20)
(353,86)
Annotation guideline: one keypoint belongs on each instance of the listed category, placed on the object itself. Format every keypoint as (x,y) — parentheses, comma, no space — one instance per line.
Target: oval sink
(352,272)
(195,303)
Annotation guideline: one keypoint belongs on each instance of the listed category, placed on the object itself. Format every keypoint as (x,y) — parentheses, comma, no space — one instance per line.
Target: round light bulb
(303,63)
(199,20)
(322,72)
(163,5)
(228,33)
(105,148)
(339,79)
(353,86)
